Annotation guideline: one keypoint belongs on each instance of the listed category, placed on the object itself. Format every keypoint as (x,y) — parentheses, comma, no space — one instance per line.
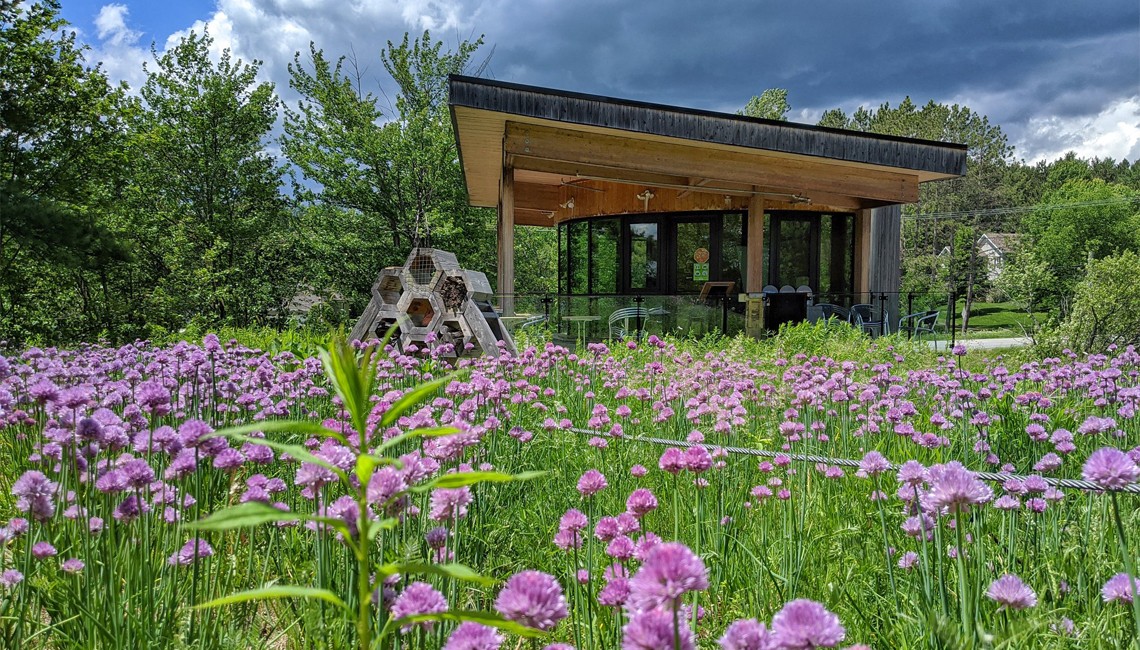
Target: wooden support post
(886,259)
(862,254)
(754,278)
(506,274)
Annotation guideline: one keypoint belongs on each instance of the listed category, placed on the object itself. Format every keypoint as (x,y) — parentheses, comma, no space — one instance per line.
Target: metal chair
(787,288)
(866,319)
(919,323)
(832,314)
(623,317)
(532,322)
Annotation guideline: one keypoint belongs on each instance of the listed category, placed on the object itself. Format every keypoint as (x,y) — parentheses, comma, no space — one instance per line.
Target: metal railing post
(953,318)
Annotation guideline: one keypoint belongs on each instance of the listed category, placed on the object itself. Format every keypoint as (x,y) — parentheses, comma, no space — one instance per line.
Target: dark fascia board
(706,126)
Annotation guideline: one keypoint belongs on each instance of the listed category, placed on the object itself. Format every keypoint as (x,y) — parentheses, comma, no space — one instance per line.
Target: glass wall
(677,253)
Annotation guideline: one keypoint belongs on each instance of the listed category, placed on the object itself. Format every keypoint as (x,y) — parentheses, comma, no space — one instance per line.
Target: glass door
(694,255)
(794,259)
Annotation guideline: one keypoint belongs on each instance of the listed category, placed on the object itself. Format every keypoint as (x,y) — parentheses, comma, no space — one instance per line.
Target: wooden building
(653,199)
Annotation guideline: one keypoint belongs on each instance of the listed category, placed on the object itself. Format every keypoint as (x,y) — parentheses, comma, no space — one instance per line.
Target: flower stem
(1127,565)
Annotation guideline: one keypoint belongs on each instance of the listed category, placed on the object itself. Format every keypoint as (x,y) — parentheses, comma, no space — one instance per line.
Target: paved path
(985,344)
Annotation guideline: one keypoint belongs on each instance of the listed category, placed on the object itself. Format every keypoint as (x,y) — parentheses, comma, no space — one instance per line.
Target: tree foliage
(60,137)
(374,185)
(205,214)
(772,104)
(1106,305)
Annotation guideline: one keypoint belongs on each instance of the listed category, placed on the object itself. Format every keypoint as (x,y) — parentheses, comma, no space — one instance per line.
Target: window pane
(836,254)
(793,258)
(693,240)
(579,256)
(734,251)
(604,264)
(643,256)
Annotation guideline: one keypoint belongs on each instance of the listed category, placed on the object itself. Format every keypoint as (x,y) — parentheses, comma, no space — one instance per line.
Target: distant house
(995,247)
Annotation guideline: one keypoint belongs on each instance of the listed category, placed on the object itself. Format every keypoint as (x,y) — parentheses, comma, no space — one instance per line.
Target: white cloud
(111,25)
(118,48)
(1112,133)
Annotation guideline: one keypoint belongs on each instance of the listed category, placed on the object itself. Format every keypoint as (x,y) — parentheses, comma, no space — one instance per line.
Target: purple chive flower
(698,459)
(621,548)
(34,492)
(43,550)
(563,646)
(654,630)
(192,551)
(533,599)
(228,459)
(956,488)
(1110,468)
(418,598)
(672,460)
(573,520)
(436,538)
(668,572)
(627,523)
(11,578)
(908,561)
(615,593)
(874,463)
(912,473)
(473,636)
(607,528)
(567,540)
(72,566)
(1119,588)
(385,484)
(591,483)
(746,634)
(638,471)
(804,624)
(448,504)
(641,502)
(1011,593)
(138,473)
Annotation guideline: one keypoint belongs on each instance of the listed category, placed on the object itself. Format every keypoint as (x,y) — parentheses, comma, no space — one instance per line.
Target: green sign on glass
(701,272)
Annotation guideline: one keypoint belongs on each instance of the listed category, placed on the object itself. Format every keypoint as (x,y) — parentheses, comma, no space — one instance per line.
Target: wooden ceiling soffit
(596,198)
(626,155)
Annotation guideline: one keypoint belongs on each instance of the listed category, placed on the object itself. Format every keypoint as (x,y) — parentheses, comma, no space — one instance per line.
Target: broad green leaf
(451,570)
(427,432)
(365,464)
(295,426)
(352,379)
(252,513)
(279,591)
(415,396)
(485,618)
(459,479)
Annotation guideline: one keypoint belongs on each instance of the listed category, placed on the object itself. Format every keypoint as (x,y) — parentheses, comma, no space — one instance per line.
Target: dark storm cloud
(1022,59)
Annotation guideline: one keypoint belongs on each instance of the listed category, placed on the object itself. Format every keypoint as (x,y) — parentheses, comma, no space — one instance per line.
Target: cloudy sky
(1057,75)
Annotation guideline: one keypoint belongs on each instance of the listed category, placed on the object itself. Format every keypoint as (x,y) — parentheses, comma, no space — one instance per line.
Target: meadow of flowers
(213,495)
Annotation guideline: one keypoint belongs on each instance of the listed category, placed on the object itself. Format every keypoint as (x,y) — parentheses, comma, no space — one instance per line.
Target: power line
(932,216)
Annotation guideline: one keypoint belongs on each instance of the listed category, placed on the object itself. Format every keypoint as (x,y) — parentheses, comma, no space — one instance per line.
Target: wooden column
(886,258)
(862,253)
(754,280)
(506,226)
(754,277)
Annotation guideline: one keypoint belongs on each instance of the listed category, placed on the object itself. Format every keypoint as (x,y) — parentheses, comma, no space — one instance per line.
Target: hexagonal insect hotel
(436,304)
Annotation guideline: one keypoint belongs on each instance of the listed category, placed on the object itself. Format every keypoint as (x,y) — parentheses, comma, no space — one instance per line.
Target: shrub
(1106,305)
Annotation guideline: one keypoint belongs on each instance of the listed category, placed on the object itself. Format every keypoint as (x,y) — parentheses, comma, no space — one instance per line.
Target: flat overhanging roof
(552,135)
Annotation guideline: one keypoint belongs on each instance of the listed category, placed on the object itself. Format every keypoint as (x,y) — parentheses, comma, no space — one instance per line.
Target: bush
(1106,305)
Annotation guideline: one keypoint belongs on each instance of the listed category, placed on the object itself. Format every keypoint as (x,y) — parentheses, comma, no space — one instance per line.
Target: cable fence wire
(997,477)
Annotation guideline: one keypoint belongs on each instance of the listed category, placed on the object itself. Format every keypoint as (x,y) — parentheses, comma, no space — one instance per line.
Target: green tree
(772,104)
(1069,238)
(390,182)
(60,136)
(1106,305)
(204,209)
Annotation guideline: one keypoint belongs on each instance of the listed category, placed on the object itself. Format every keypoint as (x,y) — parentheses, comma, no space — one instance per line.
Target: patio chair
(834,314)
(919,323)
(768,288)
(533,322)
(866,319)
(619,321)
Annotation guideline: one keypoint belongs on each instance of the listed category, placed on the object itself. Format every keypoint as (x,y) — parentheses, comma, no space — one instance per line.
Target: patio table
(581,321)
